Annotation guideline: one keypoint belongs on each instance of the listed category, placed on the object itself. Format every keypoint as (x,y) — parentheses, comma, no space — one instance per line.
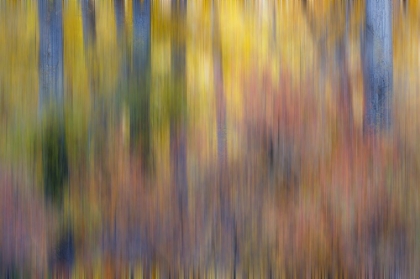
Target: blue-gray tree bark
(50,54)
(140,75)
(119,15)
(141,36)
(89,22)
(378,65)
(51,97)
(51,100)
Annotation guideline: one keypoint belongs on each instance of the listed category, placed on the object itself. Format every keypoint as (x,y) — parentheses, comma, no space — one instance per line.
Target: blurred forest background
(204,139)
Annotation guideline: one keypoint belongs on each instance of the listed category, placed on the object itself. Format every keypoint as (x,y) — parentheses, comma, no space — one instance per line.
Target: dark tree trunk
(378,65)
(140,96)
(89,22)
(89,40)
(119,15)
(178,135)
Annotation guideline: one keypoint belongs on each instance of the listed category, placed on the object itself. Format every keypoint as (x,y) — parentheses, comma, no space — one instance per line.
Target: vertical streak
(227,219)
(178,128)
(89,21)
(139,106)
(141,36)
(378,65)
(50,54)
(119,15)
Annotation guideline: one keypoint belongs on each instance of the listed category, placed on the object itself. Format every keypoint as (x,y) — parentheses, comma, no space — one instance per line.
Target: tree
(227,217)
(178,135)
(89,21)
(119,15)
(50,53)
(140,97)
(378,65)
(51,105)
(51,94)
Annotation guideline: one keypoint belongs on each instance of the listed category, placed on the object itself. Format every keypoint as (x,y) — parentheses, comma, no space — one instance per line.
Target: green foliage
(139,103)
(177,101)
(172,110)
(54,159)
(171,106)
(11,272)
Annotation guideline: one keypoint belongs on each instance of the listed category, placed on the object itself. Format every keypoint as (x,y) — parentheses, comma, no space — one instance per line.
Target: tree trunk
(141,36)
(50,54)
(229,243)
(377,65)
(51,95)
(140,102)
(89,41)
(345,104)
(89,22)
(119,15)
(178,129)
(220,95)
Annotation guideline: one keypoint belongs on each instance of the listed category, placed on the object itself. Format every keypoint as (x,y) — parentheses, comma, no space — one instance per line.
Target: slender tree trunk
(89,40)
(345,104)
(229,241)
(178,135)
(345,98)
(220,95)
(220,105)
(378,65)
(139,102)
(89,22)
(141,37)
(119,15)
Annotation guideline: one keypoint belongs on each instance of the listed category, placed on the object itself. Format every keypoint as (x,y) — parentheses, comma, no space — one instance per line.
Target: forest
(209,139)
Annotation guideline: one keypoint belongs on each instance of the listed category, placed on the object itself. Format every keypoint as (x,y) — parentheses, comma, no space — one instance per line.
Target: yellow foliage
(160,71)
(104,60)
(76,78)
(18,75)
(18,50)
(74,56)
(202,145)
